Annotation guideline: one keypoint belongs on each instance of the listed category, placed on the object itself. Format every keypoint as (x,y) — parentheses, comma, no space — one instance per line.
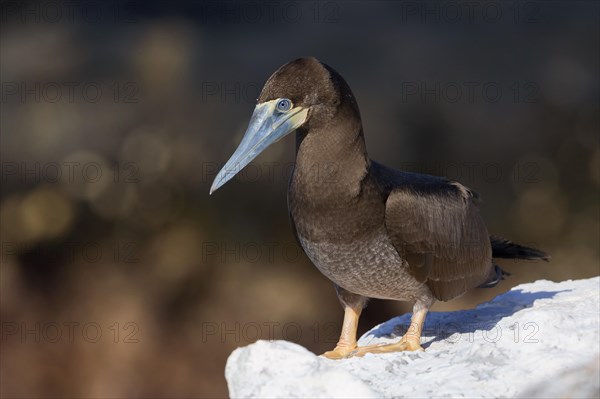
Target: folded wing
(435,226)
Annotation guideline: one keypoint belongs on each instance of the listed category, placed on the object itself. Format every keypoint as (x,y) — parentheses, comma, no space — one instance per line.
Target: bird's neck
(331,161)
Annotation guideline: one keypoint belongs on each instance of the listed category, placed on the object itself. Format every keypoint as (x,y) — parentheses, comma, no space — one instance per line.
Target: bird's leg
(353,305)
(411,341)
(347,341)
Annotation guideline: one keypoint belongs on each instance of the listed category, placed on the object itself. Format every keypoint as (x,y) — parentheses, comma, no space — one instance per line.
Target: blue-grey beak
(267,125)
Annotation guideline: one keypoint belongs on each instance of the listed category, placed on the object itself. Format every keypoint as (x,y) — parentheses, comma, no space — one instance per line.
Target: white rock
(539,339)
(271,369)
(580,382)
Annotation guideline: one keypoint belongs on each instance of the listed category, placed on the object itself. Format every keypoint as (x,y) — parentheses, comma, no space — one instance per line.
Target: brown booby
(376,232)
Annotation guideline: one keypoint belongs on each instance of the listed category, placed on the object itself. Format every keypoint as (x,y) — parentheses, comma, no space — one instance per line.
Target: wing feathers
(436,227)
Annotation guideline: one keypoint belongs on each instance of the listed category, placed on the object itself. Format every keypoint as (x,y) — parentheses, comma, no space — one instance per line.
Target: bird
(374,231)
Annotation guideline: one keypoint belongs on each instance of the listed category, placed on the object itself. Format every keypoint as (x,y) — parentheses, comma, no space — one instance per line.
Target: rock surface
(537,340)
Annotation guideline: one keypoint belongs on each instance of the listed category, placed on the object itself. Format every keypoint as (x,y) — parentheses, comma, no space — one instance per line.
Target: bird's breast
(345,237)
(368,266)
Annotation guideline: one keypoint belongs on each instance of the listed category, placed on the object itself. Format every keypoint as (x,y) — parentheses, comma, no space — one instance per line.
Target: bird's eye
(284,105)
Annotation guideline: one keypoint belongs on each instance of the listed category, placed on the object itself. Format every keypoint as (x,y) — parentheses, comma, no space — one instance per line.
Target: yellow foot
(401,346)
(340,352)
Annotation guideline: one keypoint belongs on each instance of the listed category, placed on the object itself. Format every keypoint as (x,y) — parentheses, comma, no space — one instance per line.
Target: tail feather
(503,248)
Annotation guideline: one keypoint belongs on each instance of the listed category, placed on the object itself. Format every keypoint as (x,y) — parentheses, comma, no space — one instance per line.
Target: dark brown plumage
(374,231)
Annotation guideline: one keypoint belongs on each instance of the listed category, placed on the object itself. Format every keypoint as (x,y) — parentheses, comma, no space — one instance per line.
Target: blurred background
(121,277)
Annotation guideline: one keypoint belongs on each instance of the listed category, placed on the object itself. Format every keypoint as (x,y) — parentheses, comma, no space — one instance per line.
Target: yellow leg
(347,342)
(411,341)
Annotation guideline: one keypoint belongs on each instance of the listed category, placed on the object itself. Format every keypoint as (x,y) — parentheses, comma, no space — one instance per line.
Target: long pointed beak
(267,126)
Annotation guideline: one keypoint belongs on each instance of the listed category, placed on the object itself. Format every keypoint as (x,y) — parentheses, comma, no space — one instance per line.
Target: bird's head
(303,93)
